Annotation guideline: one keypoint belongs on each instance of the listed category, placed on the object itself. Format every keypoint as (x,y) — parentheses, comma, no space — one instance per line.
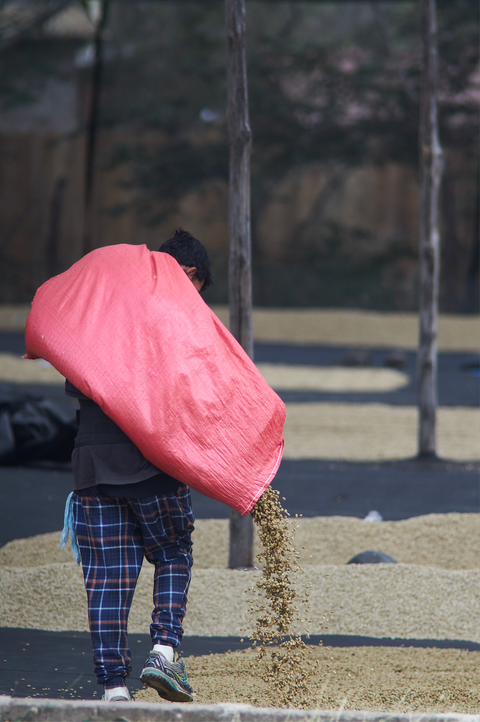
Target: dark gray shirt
(105,457)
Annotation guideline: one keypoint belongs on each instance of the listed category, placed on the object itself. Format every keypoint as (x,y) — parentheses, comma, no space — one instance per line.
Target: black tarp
(33,428)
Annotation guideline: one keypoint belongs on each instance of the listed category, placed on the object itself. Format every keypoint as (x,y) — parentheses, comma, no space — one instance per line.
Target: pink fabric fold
(127,327)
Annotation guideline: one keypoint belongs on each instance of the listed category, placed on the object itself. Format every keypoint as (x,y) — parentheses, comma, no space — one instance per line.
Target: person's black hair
(188,251)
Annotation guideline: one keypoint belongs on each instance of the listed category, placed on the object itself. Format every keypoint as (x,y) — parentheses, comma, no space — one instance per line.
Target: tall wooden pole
(92,126)
(240,274)
(430,177)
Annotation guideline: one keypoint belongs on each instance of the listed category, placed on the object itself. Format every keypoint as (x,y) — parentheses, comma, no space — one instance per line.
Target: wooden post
(92,126)
(430,177)
(240,275)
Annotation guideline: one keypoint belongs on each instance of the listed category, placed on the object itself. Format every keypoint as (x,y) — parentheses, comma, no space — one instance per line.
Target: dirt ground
(278,376)
(362,678)
(434,592)
(446,541)
(348,327)
(354,432)
(344,327)
(375,432)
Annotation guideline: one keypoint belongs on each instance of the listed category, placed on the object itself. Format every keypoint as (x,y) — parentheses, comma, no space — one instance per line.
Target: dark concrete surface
(397,490)
(458,381)
(59,664)
(32,499)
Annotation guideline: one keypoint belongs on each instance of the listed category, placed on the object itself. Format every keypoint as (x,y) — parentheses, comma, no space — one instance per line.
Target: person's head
(192,256)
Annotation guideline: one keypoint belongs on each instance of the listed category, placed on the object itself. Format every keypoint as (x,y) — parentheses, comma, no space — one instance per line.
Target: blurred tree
(36,71)
(18,20)
(332,82)
(337,83)
(26,66)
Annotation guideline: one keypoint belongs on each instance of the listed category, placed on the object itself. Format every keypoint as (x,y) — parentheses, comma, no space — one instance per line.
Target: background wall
(334,169)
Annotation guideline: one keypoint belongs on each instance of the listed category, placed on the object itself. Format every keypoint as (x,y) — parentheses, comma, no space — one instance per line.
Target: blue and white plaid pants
(113,535)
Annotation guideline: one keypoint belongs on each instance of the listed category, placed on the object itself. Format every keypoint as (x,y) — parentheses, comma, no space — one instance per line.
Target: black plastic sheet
(33,428)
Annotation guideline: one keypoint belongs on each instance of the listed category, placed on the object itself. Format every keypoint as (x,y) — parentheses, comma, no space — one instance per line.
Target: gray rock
(372,557)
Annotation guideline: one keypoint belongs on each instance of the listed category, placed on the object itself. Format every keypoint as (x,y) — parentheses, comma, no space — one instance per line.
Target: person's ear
(191,271)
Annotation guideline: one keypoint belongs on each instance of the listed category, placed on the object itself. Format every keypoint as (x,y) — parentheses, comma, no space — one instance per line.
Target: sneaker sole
(165,686)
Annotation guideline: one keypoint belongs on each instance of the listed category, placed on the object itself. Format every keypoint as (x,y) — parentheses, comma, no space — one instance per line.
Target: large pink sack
(127,327)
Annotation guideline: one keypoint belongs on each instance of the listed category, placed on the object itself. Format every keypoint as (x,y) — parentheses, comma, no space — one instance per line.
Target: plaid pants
(113,536)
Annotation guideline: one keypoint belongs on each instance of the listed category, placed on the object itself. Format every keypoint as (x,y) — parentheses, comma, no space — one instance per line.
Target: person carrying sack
(169,401)
(124,509)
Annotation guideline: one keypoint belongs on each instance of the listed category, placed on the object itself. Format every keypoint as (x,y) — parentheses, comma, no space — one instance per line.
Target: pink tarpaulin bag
(128,328)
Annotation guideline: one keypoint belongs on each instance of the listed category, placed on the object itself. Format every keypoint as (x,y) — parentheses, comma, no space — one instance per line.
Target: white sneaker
(117,694)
